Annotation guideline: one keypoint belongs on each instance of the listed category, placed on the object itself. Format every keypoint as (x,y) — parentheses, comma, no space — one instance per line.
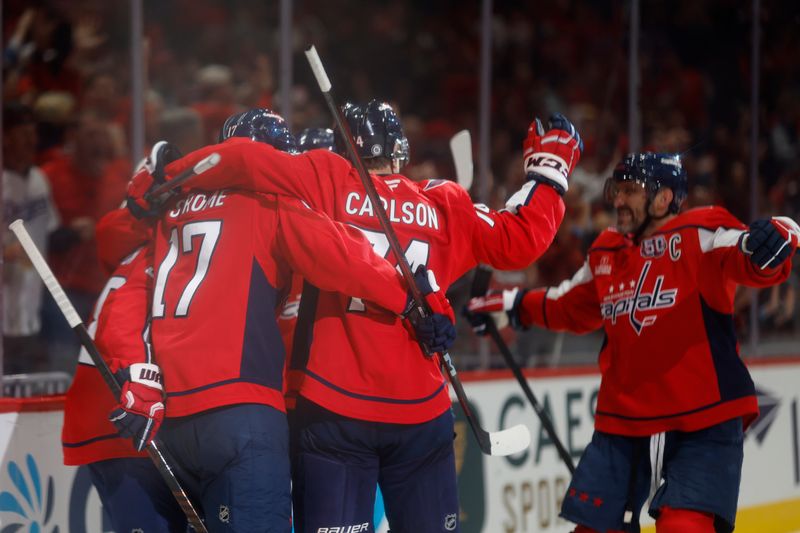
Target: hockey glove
(503,307)
(769,242)
(551,156)
(435,331)
(148,176)
(141,408)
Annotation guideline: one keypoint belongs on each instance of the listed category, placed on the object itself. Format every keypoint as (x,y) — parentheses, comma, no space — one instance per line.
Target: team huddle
(260,330)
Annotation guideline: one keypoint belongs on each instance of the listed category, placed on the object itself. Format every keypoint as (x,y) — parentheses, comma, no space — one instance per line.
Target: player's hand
(503,307)
(435,331)
(141,408)
(770,241)
(149,175)
(550,156)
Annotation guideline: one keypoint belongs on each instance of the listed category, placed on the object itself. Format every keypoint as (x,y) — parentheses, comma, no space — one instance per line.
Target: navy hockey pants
(338,461)
(235,463)
(135,496)
(701,471)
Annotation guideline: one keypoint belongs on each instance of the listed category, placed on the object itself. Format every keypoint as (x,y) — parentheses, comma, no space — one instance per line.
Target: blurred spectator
(36,57)
(26,196)
(215,99)
(55,118)
(86,184)
(182,127)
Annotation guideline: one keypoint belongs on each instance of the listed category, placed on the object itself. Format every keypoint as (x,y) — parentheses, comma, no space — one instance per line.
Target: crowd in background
(67,110)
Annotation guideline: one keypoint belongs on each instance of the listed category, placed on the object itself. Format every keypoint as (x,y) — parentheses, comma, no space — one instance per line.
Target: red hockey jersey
(670,360)
(118,233)
(362,364)
(223,266)
(118,325)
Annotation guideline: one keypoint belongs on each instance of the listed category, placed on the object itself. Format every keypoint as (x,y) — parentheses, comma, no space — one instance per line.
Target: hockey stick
(505,442)
(461,149)
(480,284)
(204,164)
(153,449)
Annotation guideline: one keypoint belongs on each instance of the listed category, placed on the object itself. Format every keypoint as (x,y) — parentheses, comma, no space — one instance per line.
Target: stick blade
(461,148)
(509,441)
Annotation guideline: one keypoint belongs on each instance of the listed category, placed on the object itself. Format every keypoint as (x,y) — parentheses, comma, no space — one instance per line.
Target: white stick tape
(207,163)
(45,273)
(318,69)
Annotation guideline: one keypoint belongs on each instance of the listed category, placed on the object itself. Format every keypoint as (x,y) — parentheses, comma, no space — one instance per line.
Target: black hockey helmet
(262,125)
(315,138)
(377,133)
(652,171)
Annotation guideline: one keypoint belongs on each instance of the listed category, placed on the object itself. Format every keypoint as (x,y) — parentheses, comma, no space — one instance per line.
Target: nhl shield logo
(450,522)
(224,514)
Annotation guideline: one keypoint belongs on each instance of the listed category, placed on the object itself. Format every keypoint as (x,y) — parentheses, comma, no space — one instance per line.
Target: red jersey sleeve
(571,306)
(336,257)
(722,264)
(118,234)
(122,336)
(509,239)
(256,166)
(723,256)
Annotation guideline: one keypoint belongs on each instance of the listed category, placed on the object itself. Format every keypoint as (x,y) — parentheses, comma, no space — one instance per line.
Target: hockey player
(373,408)
(674,392)
(133,494)
(132,491)
(223,260)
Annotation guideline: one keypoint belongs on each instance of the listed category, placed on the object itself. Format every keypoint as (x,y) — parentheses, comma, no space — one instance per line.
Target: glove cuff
(512,301)
(549,166)
(742,244)
(533,176)
(147,374)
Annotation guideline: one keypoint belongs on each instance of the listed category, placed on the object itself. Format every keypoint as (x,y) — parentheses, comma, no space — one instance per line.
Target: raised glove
(503,307)
(141,408)
(149,175)
(770,241)
(550,156)
(435,331)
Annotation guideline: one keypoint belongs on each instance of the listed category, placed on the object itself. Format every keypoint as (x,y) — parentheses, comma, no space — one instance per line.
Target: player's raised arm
(516,236)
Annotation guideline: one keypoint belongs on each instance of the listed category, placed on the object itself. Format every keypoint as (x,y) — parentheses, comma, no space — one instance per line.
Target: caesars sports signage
(523,492)
(515,494)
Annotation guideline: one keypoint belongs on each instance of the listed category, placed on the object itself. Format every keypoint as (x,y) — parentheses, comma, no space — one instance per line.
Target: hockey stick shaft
(206,163)
(480,285)
(74,320)
(321,76)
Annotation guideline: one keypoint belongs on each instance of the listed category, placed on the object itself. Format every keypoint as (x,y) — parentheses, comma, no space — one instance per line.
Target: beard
(627,220)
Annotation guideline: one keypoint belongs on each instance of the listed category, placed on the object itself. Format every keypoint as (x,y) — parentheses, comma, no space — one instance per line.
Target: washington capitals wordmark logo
(634,302)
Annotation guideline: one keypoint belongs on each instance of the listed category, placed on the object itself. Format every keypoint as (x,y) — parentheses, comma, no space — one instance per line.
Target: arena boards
(516,494)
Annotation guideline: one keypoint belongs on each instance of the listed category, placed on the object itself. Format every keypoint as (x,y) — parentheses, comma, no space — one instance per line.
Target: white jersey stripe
(582,276)
(722,238)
